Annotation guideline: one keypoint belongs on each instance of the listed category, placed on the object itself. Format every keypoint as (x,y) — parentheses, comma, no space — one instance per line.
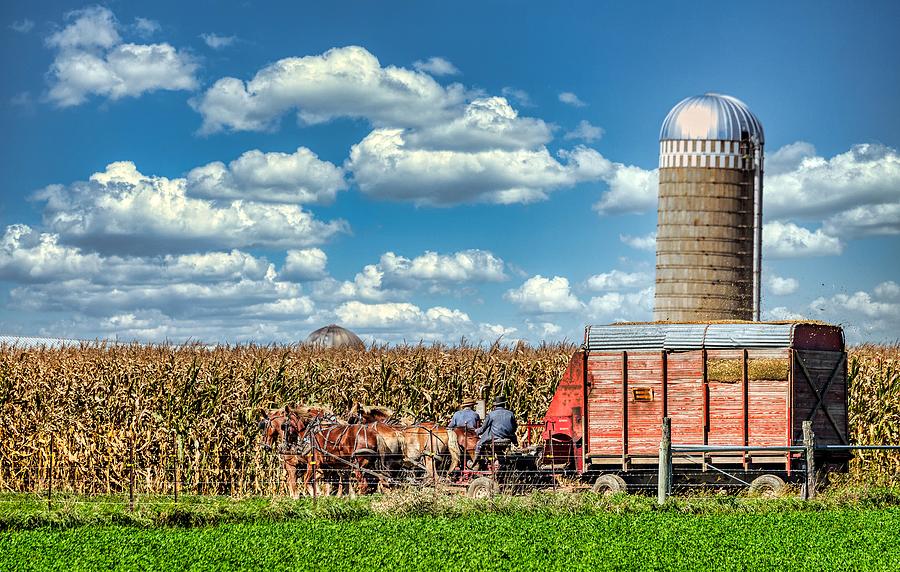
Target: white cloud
(646,242)
(787,240)
(631,190)
(436,66)
(782,286)
(146,27)
(155,214)
(216,41)
(788,158)
(397,315)
(865,317)
(342,82)
(520,96)
(304,265)
(493,332)
(29,256)
(570,98)
(845,189)
(299,177)
(619,307)
(889,290)
(539,295)
(586,132)
(486,124)
(617,279)
(463,266)
(384,167)
(782,314)
(544,329)
(92,60)
(22,26)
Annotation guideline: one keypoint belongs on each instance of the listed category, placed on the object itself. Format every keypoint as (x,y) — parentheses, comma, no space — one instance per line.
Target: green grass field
(844,530)
(838,539)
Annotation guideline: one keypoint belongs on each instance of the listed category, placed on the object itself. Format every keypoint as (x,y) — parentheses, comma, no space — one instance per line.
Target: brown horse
(342,450)
(428,444)
(271,424)
(360,413)
(466,439)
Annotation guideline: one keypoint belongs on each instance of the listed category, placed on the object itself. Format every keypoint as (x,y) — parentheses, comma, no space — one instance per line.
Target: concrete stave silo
(709,231)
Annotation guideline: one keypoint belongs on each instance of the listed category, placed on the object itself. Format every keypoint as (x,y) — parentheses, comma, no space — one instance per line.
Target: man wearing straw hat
(466,416)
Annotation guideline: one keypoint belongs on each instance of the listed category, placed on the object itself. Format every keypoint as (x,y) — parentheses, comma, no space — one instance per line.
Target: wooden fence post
(664,479)
(176,449)
(809,441)
(50,474)
(131,475)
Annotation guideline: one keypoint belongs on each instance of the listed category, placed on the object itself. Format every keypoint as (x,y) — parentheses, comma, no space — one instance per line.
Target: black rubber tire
(483,488)
(609,484)
(766,486)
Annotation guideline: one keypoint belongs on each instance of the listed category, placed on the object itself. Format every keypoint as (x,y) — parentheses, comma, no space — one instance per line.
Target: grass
(29,512)
(836,539)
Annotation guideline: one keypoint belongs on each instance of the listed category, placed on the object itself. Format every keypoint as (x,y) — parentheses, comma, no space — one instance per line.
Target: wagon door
(820,395)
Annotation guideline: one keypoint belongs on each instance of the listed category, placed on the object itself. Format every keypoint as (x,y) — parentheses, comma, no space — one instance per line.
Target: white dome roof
(710,116)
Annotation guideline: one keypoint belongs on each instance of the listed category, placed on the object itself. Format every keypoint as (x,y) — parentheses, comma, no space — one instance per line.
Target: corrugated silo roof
(710,116)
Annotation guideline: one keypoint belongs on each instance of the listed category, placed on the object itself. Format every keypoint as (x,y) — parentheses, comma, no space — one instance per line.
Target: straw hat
(467,402)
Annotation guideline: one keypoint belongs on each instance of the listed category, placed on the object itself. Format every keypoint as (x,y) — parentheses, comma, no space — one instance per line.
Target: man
(500,423)
(466,416)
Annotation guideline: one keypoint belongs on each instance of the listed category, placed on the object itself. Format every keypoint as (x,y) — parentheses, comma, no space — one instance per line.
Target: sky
(422,171)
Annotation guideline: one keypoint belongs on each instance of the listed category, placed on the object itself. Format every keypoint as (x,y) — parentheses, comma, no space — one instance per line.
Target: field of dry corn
(155,408)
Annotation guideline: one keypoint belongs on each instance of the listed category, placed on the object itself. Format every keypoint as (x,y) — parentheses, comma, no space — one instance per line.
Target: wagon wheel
(767,486)
(483,488)
(609,484)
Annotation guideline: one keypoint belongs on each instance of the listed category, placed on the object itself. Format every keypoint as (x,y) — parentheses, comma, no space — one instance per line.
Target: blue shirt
(500,424)
(465,418)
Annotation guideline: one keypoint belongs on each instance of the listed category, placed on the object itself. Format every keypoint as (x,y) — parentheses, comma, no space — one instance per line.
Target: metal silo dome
(711,116)
(334,336)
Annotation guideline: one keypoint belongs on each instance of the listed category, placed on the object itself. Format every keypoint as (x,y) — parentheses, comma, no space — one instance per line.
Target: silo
(709,231)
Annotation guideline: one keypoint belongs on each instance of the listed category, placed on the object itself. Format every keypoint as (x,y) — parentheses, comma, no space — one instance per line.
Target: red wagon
(735,385)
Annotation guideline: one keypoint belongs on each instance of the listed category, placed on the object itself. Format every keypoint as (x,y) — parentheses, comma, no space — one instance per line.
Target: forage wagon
(726,386)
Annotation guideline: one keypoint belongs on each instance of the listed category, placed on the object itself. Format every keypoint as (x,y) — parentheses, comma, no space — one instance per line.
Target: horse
(339,450)
(360,413)
(271,423)
(467,440)
(427,443)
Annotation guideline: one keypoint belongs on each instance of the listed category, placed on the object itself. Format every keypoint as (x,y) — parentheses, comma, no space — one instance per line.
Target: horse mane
(377,410)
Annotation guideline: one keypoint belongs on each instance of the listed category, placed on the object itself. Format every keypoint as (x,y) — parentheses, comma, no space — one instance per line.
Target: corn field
(155,408)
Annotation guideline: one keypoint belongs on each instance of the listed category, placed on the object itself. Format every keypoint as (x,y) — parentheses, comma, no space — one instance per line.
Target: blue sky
(230,172)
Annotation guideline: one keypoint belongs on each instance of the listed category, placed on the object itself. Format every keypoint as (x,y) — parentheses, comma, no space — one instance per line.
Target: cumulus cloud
(22,26)
(544,329)
(788,240)
(463,266)
(304,265)
(570,98)
(146,27)
(394,315)
(395,276)
(487,123)
(586,132)
(631,190)
(342,82)
(617,279)
(91,59)
(120,209)
(299,177)
(539,295)
(855,193)
(520,96)
(865,316)
(436,66)
(216,41)
(782,286)
(645,242)
(27,255)
(622,307)
(384,167)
